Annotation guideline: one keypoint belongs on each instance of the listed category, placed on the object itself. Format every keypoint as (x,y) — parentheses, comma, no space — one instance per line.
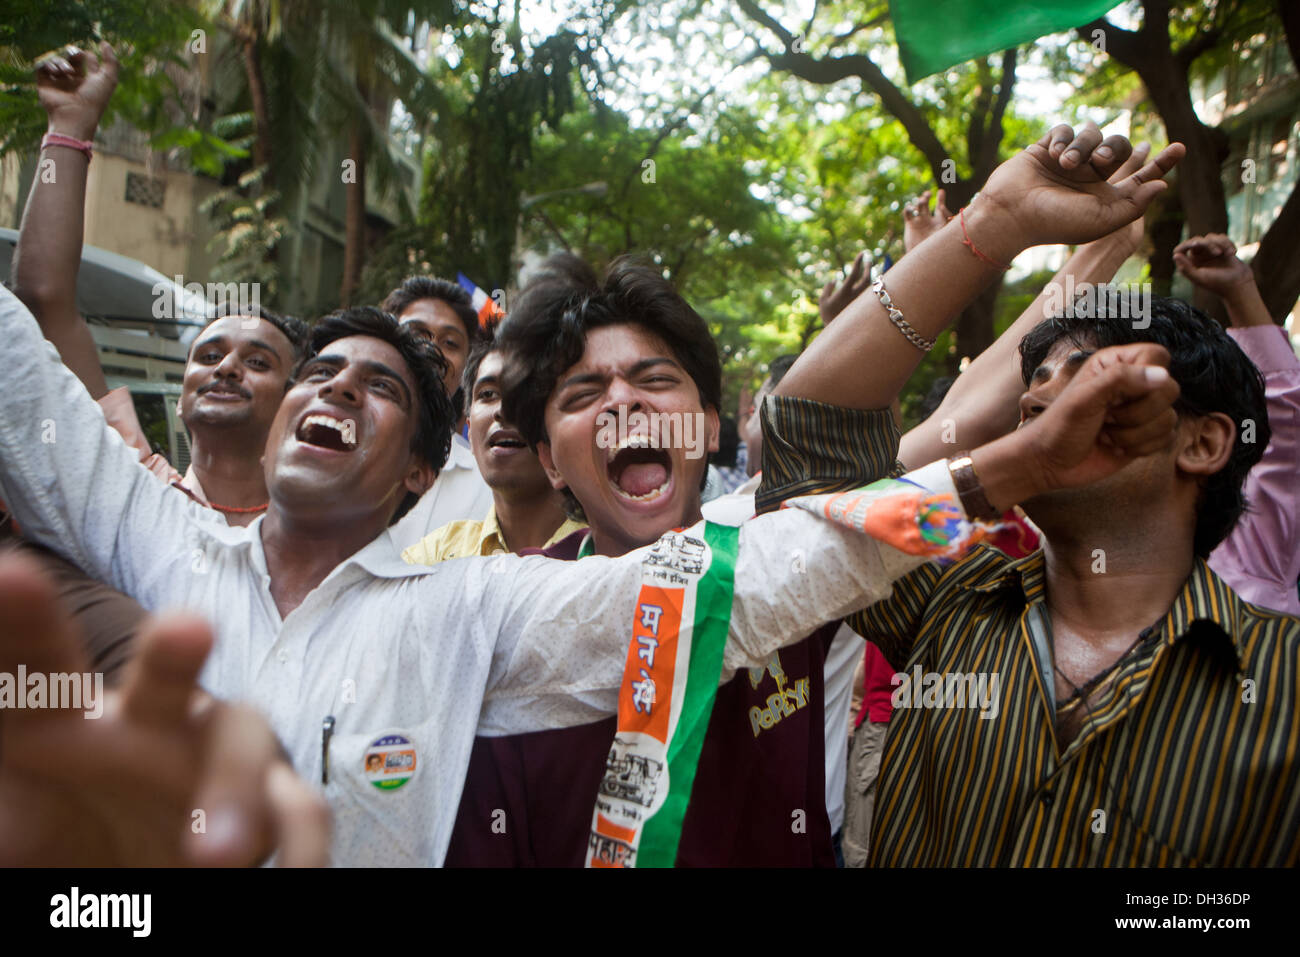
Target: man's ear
(1208,444)
(712,424)
(420,476)
(548,464)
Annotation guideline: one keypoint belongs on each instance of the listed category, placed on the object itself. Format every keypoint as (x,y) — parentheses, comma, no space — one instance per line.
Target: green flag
(936,34)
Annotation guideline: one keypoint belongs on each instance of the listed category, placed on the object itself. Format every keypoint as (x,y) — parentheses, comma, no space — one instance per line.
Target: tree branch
(1186,55)
(759,15)
(1124,45)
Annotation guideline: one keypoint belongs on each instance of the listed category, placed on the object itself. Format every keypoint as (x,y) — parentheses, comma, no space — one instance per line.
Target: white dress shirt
(435,654)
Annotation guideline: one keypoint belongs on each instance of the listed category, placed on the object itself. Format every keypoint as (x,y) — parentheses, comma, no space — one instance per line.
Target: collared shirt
(458,494)
(1190,756)
(459,539)
(1260,558)
(408,660)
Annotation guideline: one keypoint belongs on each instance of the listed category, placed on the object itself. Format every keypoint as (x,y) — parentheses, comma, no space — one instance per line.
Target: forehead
(490,367)
(354,349)
(611,349)
(245,329)
(433,314)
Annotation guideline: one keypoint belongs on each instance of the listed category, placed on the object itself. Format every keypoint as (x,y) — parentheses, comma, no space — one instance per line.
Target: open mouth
(640,473)
(506,439)
(327,432)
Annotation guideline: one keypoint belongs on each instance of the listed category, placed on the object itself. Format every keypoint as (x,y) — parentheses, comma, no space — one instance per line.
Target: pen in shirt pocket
(326,732)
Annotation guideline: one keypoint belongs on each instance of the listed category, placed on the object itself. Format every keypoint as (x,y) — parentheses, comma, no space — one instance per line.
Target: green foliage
(149,37)
(248,232)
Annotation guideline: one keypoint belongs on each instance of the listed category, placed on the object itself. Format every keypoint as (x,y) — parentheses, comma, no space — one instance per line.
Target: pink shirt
(1260,560)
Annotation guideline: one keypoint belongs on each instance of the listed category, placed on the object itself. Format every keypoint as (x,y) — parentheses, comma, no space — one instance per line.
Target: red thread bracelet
(971,245)
(58,139)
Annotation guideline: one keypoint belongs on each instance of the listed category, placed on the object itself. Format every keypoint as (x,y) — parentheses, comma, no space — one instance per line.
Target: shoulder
(444,543)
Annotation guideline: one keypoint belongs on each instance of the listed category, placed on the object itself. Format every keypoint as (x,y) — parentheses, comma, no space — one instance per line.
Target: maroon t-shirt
(759,797)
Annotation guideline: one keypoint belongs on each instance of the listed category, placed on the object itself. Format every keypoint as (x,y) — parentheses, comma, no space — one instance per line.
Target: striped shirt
(1188,757)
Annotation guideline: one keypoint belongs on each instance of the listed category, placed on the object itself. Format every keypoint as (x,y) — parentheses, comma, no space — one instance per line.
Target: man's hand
(834,297)
(1116,408)
(126,788)
(1211,262)
(75,86)
(1058,190)
(919,222)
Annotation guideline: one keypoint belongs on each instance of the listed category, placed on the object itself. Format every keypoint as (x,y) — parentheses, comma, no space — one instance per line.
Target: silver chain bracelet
(896,317)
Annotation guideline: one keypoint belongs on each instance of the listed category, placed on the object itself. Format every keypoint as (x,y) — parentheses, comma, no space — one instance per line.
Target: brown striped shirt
(1188,757)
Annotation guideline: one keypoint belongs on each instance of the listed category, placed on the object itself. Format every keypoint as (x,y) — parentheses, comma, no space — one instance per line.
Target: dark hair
(415,288)
(295,330)
(481,349)
(728,444)
(435,416)
(1212,371)
(546,331)
(778,367)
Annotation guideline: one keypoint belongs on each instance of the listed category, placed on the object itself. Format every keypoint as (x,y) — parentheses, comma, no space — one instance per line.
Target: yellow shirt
(465,537)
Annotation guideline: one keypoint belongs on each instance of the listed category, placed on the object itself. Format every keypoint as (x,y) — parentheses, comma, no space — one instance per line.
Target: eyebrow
(209,341)
(1072,361)
(637,368)
(265,346)
(370,365)
(493,379)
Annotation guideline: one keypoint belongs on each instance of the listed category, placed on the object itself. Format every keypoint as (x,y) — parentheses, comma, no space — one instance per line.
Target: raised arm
(75,89)
(1056,191)
(563,628)
(71,482)
(982,403)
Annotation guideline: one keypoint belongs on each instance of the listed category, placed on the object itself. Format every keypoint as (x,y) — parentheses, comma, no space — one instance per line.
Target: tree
(920,115)
(157,45)
(1165,51)
(489,102)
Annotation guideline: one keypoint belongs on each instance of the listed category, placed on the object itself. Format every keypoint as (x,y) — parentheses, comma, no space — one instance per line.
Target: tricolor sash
(674,660)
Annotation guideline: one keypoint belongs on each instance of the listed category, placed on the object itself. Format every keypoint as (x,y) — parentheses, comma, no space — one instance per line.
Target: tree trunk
(354,243)
(261,112)
(1199,177)
(1277,263)
(1165,227)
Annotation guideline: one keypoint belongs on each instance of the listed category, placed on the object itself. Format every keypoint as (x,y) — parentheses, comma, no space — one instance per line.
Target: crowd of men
(1054,624)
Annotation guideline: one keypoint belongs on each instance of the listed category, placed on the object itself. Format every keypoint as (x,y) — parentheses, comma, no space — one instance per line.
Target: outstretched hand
(74,86)
(165,776)
(1058,190)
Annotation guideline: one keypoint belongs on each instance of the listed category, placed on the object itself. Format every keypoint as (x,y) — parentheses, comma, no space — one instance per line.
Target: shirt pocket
(380,791)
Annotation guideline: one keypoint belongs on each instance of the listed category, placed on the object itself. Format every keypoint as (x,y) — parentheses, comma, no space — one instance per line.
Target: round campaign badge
(389,762)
